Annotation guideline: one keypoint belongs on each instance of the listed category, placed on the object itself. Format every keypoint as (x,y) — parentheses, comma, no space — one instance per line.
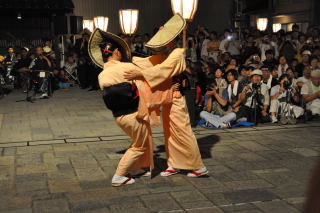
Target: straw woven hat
(97,37)
(168,32)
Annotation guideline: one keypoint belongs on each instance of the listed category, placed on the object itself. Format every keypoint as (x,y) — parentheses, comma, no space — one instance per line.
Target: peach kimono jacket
(181,145)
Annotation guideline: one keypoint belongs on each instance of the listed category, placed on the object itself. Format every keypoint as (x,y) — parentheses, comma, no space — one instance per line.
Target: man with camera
(255,100)
(282,98)
(40,63)
(311,93)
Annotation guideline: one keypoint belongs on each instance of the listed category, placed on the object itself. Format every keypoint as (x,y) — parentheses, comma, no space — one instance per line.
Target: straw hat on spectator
(315,73)
(98,38)
(167,33)
(256,72)
(306,52)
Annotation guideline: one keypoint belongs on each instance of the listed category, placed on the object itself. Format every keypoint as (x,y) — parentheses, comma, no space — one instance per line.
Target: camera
(229,37)
(286,85)
(256,86)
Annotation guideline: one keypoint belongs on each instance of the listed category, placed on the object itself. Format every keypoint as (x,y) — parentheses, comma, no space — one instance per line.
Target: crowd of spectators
(249,75)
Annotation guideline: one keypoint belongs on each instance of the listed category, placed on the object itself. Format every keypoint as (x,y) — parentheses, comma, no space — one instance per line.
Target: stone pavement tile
(48,142)
(78,140)
(84,163)
(306,152)
(69,147)
(90,174)
(7,160)
(188,196)
(34,149)
(243,208)
(279,179)
(210,184)
(253,146)
(242,175)
(127,205)
(218,199)
(10,151)
(98,184)
(250,156)
(197,204)
(248,196)
(276,207)
(14,203)
(289,191)
(9,145)
(26,187)
(248,184)
(217,169)
(91,206)
(64,185)
(27,210)
(36,168)
(160,202)
(297,202)
(28,159)
(205,210)
(61,175)
(51,206)
(41,177)
(6,173)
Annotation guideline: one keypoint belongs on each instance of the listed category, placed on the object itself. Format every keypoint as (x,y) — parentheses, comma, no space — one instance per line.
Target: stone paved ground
(53,160)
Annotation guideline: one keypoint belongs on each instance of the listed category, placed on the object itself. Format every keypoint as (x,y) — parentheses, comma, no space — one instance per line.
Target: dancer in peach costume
(121,97)
(181,144)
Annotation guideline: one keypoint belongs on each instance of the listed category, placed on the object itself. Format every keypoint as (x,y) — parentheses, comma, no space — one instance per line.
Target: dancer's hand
(175,87)
(133,75)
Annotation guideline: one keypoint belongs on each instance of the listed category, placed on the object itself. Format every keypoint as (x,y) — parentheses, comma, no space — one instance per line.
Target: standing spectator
(227,36)
(288,48)
(264,46)
(213,46)
(249,48)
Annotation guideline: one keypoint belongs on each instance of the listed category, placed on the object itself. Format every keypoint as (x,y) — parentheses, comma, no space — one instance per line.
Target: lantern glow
(262,24)
(101,22)
(276,27)
(128,20)
(88,24)
(186,8)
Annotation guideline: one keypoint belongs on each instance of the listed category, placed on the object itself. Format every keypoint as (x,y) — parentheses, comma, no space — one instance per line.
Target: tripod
(29,86)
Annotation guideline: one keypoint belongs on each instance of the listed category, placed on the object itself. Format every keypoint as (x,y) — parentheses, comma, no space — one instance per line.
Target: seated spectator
(220,116)
(311,93)
(70,67)
(64,81)
(305,62)
(283,66)
(270,60)
(314,63)
(254,61)
(22,67)
(281,103)
(274,72)
(306,76)
(40,63)
(292,77)
(267,78)
(246,78)
(219,81)
(255,100)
